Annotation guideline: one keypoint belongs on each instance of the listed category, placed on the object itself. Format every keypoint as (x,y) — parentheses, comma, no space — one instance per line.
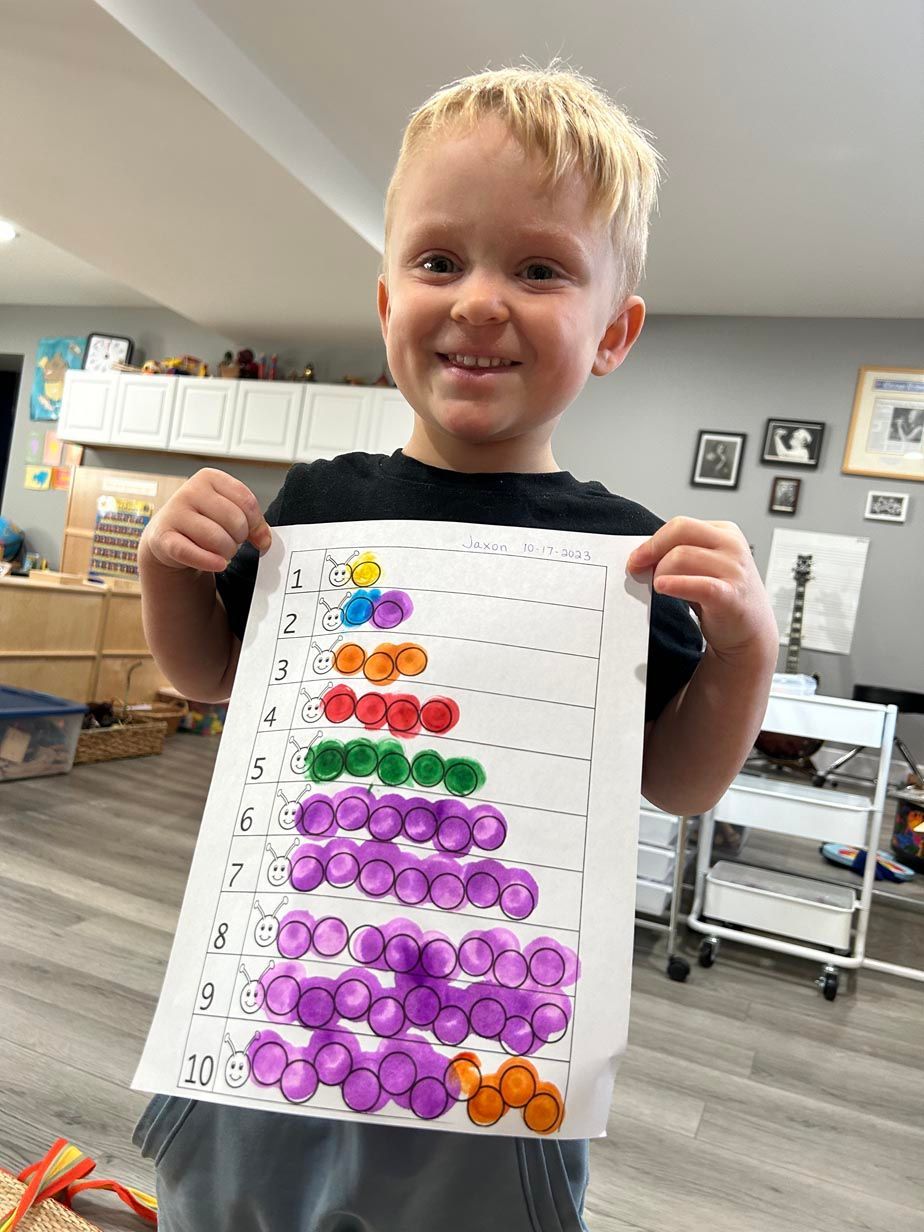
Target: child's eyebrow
(534,237)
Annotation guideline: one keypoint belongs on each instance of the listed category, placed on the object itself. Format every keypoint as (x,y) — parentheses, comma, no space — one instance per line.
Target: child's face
(483,261)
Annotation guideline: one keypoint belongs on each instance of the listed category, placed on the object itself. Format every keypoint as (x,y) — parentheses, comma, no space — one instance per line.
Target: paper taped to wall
(832,595)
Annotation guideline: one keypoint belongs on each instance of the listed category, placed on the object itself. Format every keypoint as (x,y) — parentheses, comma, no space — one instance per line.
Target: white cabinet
(202,416)
(143,407)
(391,419)
(334,421)
(265,421)
(86,407)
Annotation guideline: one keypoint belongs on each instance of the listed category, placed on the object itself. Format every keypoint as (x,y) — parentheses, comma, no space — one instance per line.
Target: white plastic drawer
(795,808)
(829,718)
(780,903)
(657,829)
(651,898)
(656,863)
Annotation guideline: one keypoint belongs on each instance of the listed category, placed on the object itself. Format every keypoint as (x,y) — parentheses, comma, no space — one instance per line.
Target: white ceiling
(228,159)
(32,271)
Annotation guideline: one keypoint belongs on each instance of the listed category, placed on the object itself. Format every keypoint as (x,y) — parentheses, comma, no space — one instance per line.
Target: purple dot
(411,886)
(377,878)
(489,831)
(547,967)
(402,952)
(550,1022)
(420,824)
(342,869)
(454,834)
(517,1036)
(386,1017)
(307,873)
(282,994)
(294,939)
(447,891)
(488,1017)
(387,614)
(397,1073)
(429,1099)
(511,969)
(352,812)
(352,999)
(361,1090)
(333,1063)
(517,901)
(367,944)
(299,1081)
(482,889)
(330,936)
(438,958)
(268,1063)
(385,823)
(421,1005)
(475,956)
(315,1007)
(451,1026)
(317,816)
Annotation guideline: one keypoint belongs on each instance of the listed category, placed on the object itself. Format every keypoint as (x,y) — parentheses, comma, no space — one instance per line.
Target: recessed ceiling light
(7,232)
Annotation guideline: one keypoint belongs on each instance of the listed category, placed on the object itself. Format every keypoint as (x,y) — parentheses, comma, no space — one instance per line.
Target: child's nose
(480,300)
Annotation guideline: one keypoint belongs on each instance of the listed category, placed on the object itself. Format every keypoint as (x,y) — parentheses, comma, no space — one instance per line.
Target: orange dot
(486,1107)
(543,1112)
(410,659)
(463,1076)
(350,658)
(380,668)
(517,1083)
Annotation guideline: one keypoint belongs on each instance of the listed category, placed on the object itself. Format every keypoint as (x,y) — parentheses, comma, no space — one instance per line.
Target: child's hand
(709,565)
(202,525)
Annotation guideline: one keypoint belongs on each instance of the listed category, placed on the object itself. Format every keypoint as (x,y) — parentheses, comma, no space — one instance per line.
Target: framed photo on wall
(784,494)
(886,506)
(792,442)
(886,436)
(717,463)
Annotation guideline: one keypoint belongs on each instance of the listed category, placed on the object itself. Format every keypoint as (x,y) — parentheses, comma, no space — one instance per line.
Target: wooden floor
(746,1102)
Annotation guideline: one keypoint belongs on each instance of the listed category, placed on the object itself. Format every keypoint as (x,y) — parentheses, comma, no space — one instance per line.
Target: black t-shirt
(360,486)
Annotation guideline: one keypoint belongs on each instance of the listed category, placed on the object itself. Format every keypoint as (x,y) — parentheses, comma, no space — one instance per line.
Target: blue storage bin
(38,733)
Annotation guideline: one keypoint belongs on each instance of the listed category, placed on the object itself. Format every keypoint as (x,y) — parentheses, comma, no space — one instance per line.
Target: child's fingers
(681,531)
(223,512)
(207,534)
(689,560)
(175,549)
(700,591)
(240,495)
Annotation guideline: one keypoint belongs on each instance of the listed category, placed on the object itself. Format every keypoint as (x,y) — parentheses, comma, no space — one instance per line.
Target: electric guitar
(777,746)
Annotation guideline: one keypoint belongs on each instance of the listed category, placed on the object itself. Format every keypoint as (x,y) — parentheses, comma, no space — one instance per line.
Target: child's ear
(620,336)
(383,306)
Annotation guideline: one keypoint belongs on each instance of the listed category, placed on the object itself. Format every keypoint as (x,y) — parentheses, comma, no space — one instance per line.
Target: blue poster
(53,357)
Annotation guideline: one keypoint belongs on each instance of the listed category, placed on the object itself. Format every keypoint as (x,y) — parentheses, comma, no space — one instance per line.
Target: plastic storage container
(780,903)
(38,733)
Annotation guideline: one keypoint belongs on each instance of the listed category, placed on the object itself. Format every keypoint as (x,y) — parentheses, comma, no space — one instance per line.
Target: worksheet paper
(411,901)
(832,593)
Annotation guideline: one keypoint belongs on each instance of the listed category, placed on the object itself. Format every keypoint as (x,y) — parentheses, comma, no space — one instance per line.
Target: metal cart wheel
(708,951)
(828,982)
(677,969)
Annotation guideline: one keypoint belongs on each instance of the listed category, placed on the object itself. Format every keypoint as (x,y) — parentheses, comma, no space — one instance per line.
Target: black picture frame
(784,494)
(94,340)
(717,459)
(792,442)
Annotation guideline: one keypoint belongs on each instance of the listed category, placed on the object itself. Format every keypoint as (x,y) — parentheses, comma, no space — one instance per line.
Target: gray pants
(224,1169)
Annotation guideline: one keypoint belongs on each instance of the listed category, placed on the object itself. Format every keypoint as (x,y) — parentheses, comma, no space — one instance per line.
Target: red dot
(370,709)
(403,715)
(339,704)
(437,715)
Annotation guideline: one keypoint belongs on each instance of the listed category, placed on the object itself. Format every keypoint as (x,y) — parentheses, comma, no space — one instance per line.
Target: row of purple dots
(381,870)
(449,824)
(403,947)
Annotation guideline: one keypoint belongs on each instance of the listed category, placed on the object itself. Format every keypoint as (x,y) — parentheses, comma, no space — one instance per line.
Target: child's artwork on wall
(53,357)
(412,897)
(38,478)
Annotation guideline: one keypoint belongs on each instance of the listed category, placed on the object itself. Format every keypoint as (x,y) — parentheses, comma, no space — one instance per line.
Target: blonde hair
(571,124)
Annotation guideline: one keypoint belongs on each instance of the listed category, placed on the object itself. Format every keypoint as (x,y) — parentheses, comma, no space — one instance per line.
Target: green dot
(428,768)
(361,758)
(394,769)
(463,777)
(328,761)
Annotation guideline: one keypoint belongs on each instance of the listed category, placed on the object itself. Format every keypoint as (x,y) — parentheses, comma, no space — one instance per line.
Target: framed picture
(886,437)
(53,357)
(784,495)
(792,442)
(718,459)
(104,350)
(886,506)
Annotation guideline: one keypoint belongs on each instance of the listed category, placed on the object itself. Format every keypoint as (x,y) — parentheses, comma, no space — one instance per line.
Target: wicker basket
(138,737)
(170,712)
(48,1216)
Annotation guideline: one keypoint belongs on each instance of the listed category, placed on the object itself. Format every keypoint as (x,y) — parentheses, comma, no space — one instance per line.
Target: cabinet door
(143,408)
(266,420)
(391,419)
(202,416)
(334,421)
(86,407)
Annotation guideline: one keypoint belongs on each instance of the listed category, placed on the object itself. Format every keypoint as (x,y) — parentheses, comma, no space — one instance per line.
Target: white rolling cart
(807,917)
(662,844)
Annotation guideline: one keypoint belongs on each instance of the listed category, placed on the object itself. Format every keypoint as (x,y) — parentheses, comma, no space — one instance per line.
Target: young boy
(516,226)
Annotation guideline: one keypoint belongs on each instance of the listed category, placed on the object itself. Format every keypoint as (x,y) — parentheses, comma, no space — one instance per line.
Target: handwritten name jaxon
(482,545)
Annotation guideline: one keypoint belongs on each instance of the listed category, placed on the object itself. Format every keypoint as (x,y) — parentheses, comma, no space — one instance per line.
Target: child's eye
(432,263)
(539,265)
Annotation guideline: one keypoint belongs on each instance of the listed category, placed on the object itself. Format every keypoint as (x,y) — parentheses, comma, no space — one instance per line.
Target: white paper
(832,594)
(536,647)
